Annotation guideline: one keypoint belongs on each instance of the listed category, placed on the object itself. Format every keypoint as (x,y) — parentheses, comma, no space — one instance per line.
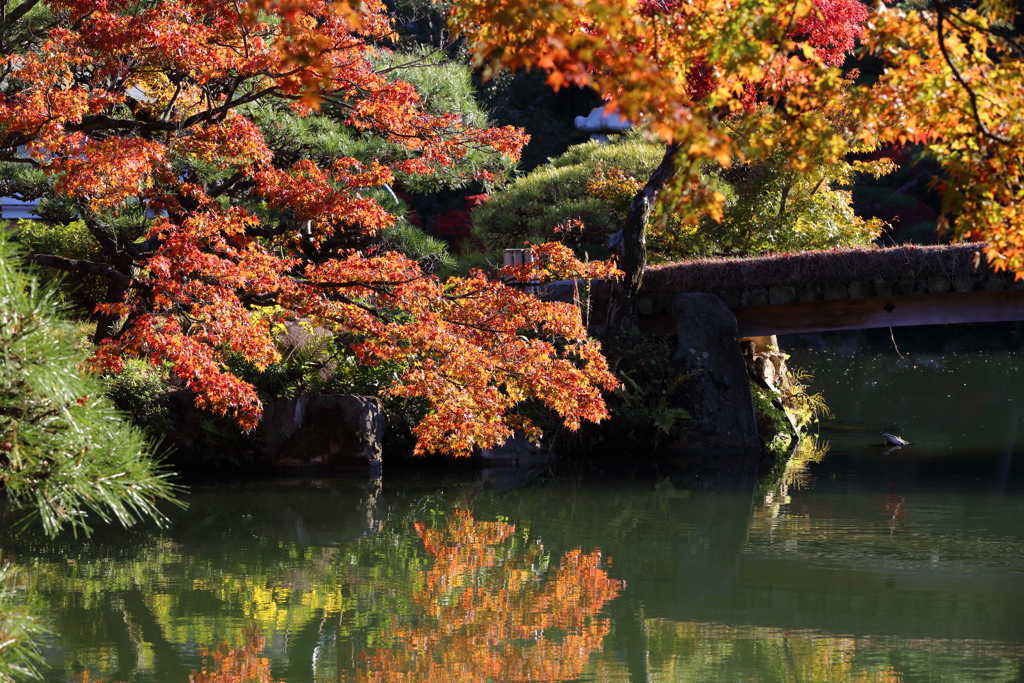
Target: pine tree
(66,455)
(65,452)
(19,657)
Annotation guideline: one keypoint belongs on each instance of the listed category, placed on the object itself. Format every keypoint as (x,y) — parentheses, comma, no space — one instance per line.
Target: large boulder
(334,432)
(709,349)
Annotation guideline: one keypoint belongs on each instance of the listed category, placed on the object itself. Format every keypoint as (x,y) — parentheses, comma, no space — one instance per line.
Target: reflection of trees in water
(450,597)
(692,651)
(713,652)
(490,609)
(243,663)
(793,474)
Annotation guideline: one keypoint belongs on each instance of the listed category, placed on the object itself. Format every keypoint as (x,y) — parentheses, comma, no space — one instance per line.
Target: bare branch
(102,122)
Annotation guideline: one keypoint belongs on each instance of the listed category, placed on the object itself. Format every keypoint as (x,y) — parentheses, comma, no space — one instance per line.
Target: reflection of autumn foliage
(243,664)
(489,610)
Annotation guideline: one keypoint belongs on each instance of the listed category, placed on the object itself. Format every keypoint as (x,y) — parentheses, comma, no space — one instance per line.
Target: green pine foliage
(444,86)
(66,454)
(19,657)
(528,209)
(768,207)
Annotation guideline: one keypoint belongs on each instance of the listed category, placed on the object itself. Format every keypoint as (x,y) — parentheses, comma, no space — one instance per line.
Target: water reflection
(793,474)
(845,564)
(441,598)
(715,652)
(491,609)
(242,663)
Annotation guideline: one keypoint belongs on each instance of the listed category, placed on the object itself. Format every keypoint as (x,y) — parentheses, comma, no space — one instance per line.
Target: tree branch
(940,14)
(634,232)
(100,122)
(622,309)
(77,266)
(18,13)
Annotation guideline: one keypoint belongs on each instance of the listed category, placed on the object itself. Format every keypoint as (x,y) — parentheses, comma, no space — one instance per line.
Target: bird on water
(893,440)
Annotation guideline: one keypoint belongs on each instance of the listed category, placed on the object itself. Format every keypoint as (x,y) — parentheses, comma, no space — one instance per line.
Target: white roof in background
(601,121)
(14,209)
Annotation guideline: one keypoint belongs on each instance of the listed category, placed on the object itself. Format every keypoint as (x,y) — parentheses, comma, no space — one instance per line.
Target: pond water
(853,563)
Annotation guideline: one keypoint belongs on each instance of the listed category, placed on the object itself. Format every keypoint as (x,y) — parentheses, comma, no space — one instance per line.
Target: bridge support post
(709,347)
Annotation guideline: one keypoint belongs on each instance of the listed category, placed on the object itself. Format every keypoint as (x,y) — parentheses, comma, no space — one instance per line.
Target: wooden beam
(875,311)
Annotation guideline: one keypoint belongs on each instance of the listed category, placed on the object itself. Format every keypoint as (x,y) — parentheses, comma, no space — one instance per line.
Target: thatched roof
(844,265)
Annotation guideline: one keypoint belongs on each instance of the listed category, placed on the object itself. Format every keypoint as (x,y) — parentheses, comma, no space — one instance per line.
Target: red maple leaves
(157,107)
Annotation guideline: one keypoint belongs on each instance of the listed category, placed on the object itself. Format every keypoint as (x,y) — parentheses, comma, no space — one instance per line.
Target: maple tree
(955,83)
(952,82)
(146,113)
(687,70)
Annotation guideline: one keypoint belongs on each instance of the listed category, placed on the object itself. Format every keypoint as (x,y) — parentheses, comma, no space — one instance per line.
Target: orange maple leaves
(953,81)
(156,107)
(955,84)
(473,347)
(684,69)
(489,608)
(486,612)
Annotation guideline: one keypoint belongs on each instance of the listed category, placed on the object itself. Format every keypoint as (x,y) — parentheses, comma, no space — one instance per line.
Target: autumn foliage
(952,82)
(485,611)
(244,661)
(684,69)
(488,608)
(124,104)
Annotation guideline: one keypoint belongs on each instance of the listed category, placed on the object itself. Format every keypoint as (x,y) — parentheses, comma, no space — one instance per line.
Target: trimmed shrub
(69,240)
(531,207)
(141,391)
(767,206)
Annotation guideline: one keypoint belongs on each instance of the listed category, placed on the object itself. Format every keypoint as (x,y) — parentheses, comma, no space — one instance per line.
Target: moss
(714,275)
(773,424)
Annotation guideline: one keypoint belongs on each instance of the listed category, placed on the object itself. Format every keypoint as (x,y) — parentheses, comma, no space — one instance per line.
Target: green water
(853,564)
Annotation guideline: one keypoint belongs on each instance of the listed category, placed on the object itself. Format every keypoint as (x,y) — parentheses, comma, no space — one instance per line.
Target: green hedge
(531,207)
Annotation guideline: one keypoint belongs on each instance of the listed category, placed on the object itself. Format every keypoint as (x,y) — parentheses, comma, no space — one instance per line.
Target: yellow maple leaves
(953,81)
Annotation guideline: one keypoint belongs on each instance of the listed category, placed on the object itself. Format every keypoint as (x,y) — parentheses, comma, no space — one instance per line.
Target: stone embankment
(712,306)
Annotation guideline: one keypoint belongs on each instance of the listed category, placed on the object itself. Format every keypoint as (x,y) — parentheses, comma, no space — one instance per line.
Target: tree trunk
(116,293)
(622,316)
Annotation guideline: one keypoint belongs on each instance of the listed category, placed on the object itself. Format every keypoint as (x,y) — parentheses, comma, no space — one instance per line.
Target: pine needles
(66,453)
